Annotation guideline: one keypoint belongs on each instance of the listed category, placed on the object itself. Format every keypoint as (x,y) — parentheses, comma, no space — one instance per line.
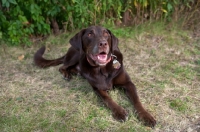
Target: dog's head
(97,43)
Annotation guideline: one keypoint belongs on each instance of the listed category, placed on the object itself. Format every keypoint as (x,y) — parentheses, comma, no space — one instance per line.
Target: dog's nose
(102,44)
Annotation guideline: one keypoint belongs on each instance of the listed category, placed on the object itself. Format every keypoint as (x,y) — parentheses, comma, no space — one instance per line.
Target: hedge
(21,20)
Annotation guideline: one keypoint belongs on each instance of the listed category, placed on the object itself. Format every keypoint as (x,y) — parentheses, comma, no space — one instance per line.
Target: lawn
(162,60)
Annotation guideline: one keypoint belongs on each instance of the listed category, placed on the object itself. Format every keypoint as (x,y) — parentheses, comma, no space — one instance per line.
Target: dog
(94,54)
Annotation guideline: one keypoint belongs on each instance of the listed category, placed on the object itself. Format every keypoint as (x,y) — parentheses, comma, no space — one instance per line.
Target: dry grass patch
(164,65)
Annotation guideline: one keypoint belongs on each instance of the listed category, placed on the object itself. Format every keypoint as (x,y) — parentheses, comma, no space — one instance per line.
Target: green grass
(178,105)
(162,61)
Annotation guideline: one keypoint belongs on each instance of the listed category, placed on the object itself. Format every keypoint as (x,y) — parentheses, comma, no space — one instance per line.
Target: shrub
(21,20)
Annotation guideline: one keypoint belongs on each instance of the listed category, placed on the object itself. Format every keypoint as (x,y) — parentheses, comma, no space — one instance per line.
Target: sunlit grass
(163,63)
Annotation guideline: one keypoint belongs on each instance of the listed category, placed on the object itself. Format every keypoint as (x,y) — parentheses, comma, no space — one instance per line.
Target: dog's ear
(114,42)
(76,40)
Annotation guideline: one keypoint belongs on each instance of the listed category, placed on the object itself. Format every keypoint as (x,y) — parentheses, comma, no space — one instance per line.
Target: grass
(163,63)
(178,104)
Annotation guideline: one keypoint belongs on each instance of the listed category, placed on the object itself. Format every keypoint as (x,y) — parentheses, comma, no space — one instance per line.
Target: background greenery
(22,21)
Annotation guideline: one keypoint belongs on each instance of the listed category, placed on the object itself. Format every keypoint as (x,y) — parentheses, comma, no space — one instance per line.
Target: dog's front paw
(147,119)
(120,114)
(66,74)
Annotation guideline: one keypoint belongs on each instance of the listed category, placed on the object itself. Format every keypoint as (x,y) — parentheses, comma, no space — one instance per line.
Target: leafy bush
(21,20)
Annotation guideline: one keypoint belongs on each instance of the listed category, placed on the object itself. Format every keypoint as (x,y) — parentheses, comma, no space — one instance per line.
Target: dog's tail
(44,63)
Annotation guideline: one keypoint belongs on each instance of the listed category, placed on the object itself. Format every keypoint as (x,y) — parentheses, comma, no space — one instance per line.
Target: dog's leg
(142,113)
(67,71)
(124,80)
(66,74)
(119,113)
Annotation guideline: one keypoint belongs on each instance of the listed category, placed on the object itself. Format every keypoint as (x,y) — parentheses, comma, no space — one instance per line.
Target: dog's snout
(103,43)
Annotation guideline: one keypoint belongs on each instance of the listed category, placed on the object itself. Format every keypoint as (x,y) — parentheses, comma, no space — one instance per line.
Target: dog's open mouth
(101,58)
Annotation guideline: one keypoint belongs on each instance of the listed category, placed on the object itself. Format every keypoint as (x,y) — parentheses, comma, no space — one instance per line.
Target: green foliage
(21,20)
(179,105)
(157,9)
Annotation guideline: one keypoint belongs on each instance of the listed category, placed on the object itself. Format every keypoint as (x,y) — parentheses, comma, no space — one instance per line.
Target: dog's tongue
(102,58)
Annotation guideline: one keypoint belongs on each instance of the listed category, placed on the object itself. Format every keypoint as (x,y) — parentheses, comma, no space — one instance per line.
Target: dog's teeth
(102,57)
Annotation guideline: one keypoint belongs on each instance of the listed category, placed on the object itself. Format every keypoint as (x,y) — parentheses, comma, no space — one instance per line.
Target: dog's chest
(100,78)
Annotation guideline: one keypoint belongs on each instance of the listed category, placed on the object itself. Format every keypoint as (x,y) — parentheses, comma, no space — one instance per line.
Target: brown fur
(86,56)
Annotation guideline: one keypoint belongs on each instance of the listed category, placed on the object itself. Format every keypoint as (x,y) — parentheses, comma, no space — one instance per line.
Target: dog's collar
(116,63)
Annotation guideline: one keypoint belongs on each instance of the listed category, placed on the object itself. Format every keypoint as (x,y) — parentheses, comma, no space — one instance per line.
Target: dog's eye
(105,34)
(89,34)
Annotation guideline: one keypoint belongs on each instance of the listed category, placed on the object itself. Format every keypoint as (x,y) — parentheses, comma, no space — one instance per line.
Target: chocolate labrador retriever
(95,55)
